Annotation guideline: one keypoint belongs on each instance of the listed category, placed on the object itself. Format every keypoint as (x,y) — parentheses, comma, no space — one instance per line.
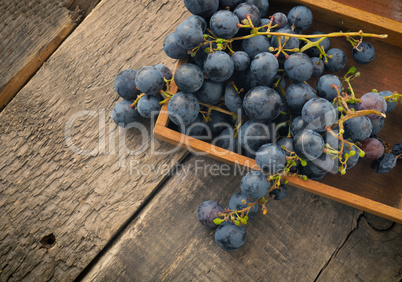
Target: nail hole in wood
(48,241)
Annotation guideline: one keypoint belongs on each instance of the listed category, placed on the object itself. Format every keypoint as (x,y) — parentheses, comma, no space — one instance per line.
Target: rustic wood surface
(46,187)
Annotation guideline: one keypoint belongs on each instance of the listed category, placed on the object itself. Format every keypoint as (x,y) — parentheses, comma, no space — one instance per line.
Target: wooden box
(379,194)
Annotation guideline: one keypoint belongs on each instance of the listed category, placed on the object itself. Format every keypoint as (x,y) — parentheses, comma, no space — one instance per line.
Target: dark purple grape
(207,212)
(390,105)
(198,20)
(253,134)
(172,49)
(264,66)
(255,184)
(255,45)
(262,103)
(233,100)
(397,149)
(149,80)
(297,125)
(189,78)
(230,237)
(373,101)
(301,17)
(364,53)
(229,3)
(262,6)
(296,95)
(287,143)
(123,115)
(219,66)
(280,19)
(338,60)
(308,144)
(352,160)
(241,60)
(224,24)
(188,35)
(264,22)
(324,86)
(203,8)
(165,71)
(279,193)
(270,158)
(148,106)
(210,92)
(298,67)
(313,51)
(244,9)
(358,128)
(377,125)
(384,164)
(183,108)
(195,129)
(125,86)
(372,148)
(318,66)
(226,140)
(235,203)
(317,113)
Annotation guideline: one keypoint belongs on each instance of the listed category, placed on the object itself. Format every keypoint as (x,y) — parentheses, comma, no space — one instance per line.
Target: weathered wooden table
(80,198)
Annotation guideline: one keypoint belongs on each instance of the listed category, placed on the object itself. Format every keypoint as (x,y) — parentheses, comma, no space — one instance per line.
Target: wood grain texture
(166,242)
(82,198)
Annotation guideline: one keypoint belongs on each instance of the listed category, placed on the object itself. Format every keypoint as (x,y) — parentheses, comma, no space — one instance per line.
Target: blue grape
(324,87)
(280,19)
(230,237)
(183,108)
(210,92)
(125,86)
(264,66)
(270,158)
(203,8)
(297,125)
(296,95)
(390,105)
(323,164)
(301,17)
(233,100)
(172,49)
(262,6)
(148,106)
(123,115)
(287,143)
(377,125)
(224,24)
(241,60)
(308,144)
(364,53)
(207,212)
(226,140)
(318,66)
(255,45)
(188,35)
(338,60)
(229,3)
(313,51)
(262,103)
(279,193)
(384,164)
(298,67)
(189,78)
(218,66)
(352,160)
(317,113)
(149,80)
(253,134)
(358,128)
(198,20)
(254,184)
(244,9)
(307,171)
(235,203)
(373,101)
(397,149)
(195,129)
(165,71)
(263,22)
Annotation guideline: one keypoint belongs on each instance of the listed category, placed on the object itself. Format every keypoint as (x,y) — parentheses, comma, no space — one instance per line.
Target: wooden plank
(46,187)
(367,255)
(166,242)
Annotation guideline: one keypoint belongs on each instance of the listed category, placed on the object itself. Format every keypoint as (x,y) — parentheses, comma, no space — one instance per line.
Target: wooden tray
(361,188)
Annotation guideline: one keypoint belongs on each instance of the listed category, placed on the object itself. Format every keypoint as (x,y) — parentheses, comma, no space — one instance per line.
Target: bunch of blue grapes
(244,88)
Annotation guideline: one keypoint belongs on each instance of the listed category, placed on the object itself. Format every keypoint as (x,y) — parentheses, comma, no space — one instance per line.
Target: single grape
(324,86)
(125,86)
(353,158)
(262,6)
(241,60)
(148,106)
(224,23)
(318,66)
(390,105)
(264,22)
(323,164)
(296,95)
(338,60)
(203,8)
(358,128)
(254,184)
(233,100)
(397,149)
(279,193)
(262,103)
(245,9)
(123,115)
(317,113)
(230,237)
(308,144)
(231,4)
(189,78)
(255,45)
(372,148)
(373,101)
(210,92)
(286,142)
(172,49)
(149,80)
(253,134)
(188,35)
(207,212)
(377,125)
(183,108)
(198,20)
(299,67)
(313,175)
(235,203)
(226,140)
(165,71)
(218,66)
(384,164)
(264,66)
(271,158)
(364,53)
(297,125)
(280,19)
(301,17)
(195,129)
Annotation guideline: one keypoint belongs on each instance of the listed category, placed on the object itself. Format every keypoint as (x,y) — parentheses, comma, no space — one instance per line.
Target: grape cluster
(243,87)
